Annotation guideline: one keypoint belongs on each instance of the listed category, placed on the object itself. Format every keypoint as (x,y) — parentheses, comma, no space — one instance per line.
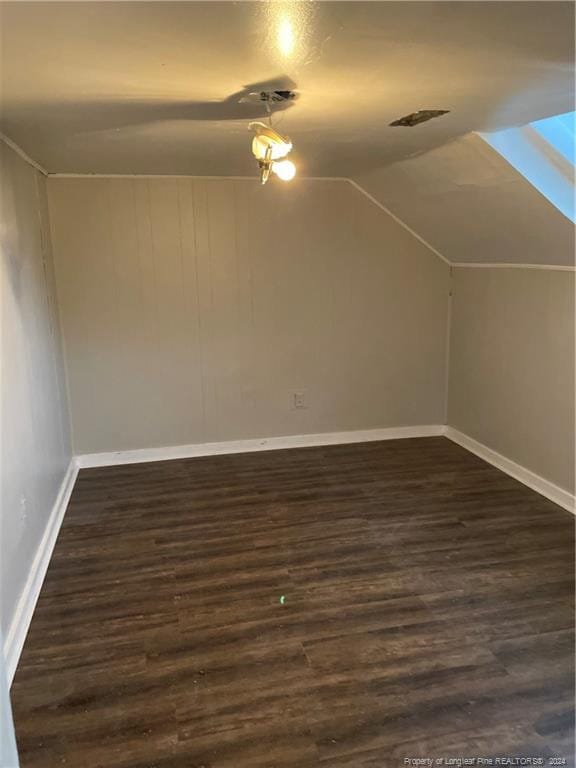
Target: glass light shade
(285,170)
(260,144)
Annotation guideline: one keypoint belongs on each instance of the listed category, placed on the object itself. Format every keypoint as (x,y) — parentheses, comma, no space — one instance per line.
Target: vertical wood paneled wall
(193,309)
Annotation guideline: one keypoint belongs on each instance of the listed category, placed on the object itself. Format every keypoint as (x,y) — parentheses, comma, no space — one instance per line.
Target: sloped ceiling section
(473,207)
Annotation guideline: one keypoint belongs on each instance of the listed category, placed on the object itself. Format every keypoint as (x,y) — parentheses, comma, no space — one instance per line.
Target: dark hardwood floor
(341,607)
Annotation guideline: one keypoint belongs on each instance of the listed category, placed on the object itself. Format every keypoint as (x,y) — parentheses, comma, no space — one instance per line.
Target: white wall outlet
(299,400)
(23,508)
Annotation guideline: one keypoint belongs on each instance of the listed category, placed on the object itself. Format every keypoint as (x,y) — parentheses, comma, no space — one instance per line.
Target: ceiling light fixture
(269,148)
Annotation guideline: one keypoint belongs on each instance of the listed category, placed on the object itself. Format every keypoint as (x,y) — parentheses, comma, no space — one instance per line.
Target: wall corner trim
(253,179)
(19,151)
(257,444)
(16,635)
(511,265)
(537,483)
(398,220)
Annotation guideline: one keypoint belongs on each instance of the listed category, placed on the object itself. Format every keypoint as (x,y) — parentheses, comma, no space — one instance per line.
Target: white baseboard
(258,444)
(539,484)
(25,608)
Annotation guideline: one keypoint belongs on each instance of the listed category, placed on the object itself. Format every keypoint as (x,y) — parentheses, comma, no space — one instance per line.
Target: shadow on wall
(10,242)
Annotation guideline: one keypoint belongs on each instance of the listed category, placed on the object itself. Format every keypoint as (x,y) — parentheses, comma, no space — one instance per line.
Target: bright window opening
(543,152)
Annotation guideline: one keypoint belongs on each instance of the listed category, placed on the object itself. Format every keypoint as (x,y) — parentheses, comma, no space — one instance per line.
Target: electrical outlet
(299,400)
(23,508)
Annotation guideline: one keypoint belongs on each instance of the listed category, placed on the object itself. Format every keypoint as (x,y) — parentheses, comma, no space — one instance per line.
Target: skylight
(543,152)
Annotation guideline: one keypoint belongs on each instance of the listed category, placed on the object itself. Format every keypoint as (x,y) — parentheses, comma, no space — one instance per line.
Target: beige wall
(193,310)
(34,425)
(512,366)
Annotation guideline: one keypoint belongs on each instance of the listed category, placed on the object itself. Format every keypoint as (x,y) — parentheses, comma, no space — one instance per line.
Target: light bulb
(278,149)
(285,170)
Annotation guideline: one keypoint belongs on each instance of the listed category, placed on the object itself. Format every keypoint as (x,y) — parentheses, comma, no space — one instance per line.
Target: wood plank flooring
(341,607)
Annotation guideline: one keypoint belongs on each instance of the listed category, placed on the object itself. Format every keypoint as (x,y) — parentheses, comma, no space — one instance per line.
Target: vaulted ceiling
(155,87)
(473,207)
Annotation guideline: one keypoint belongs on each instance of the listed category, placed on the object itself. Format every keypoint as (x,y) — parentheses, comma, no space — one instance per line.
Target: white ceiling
(141,87)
